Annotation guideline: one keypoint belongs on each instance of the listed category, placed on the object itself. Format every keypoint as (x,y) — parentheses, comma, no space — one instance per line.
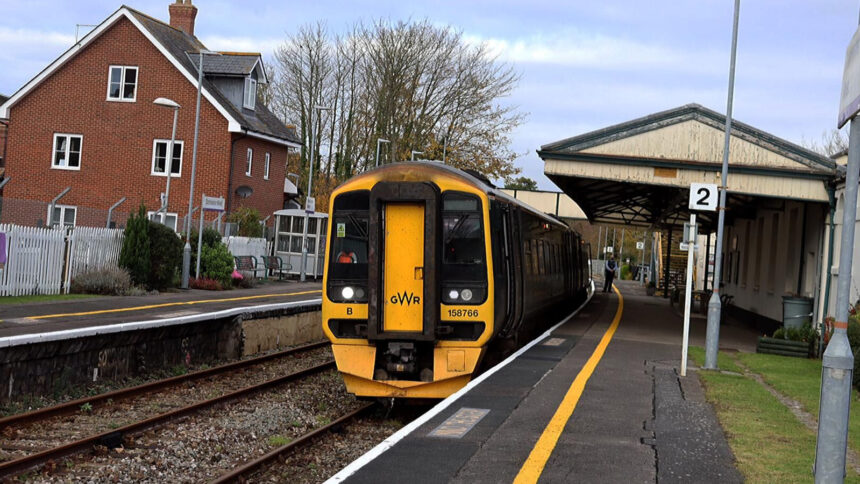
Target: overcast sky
(584,65)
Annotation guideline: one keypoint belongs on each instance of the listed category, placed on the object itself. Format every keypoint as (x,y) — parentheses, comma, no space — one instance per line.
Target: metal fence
(41,260)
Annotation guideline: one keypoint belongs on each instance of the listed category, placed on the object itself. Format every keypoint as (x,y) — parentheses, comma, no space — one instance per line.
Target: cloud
(18,38)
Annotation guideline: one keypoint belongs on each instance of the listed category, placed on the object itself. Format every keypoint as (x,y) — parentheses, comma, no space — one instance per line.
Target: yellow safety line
(183,303)
(533,467)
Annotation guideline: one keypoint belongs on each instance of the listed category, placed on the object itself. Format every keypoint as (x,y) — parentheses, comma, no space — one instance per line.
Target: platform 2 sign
(849,101)
(703,196)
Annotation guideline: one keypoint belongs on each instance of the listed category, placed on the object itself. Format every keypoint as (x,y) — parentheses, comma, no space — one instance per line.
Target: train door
(403,261)
(403,274)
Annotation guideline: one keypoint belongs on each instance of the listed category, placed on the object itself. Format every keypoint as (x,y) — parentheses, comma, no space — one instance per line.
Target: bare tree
(831,143)
(416,84)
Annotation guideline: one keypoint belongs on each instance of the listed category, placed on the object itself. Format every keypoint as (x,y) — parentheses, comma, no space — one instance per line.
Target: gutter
(230,175)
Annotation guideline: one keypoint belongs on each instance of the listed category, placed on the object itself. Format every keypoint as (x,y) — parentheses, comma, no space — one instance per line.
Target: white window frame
(63,209)
(68,148)
(250,95)
(121,99)
(268,162)
(249,161)
(164,215)
(167,162)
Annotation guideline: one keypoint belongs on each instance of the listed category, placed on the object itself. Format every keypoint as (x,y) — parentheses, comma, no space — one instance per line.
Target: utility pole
(837,366)
(712,338)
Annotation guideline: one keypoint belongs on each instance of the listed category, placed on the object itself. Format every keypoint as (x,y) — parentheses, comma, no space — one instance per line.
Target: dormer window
(250,93)
(122,83)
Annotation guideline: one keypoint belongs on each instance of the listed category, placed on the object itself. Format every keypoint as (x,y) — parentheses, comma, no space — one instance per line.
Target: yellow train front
(411,297)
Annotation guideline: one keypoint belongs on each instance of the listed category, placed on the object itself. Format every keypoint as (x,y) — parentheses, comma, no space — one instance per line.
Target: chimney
(182,15)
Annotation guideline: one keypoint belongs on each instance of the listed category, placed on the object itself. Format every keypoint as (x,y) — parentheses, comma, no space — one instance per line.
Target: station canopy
(639,172)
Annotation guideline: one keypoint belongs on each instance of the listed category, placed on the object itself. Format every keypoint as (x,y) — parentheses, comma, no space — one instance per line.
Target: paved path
(79,313)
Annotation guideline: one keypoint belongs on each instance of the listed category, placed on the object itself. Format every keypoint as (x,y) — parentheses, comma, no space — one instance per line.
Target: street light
(378,142)
(186,251)
(416,153)
(168,162)
(308,197)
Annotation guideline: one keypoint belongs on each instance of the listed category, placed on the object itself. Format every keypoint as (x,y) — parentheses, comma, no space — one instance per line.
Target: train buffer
(527,419)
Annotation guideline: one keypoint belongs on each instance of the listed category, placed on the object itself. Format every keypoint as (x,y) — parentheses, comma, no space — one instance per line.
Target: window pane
(297,225)
(74,159)
(296,243)
(128,92)
(283,243)
(463,241)
(61,143)
(177,158)
(69,216)
(283,223)
(56,217)
(160,155)
(312,226)
(75,144)
(115,82)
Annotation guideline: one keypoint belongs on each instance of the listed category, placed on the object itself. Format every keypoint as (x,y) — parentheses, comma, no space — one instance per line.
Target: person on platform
(609,273)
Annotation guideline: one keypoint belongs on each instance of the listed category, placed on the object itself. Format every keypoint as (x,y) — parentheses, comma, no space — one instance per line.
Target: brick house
(88,122)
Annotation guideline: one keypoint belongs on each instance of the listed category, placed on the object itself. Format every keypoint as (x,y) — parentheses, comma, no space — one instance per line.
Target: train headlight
(466,294)
(453,295)
(347,292)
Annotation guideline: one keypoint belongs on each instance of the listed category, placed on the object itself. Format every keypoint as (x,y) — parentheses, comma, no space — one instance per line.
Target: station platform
(599,399)
(45,317)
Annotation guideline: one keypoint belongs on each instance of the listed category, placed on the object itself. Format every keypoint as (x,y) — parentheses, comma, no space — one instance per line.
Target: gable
(694,141)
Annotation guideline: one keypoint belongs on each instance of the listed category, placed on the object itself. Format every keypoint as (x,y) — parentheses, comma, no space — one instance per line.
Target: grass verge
(769,443)
(7,300)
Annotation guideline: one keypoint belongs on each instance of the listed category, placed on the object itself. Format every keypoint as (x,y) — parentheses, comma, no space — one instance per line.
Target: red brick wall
(116,155)
(268,195)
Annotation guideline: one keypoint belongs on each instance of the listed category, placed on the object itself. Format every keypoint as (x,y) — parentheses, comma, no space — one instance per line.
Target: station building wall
(774,253)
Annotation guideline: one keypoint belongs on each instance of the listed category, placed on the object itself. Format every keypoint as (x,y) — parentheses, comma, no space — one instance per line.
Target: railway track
(18,428)
(243,472)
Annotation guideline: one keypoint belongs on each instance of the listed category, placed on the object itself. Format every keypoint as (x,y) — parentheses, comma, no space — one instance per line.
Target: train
(432,275)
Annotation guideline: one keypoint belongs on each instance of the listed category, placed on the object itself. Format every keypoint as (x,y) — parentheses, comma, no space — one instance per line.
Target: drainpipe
(801,263)
(230,175)
(831,194)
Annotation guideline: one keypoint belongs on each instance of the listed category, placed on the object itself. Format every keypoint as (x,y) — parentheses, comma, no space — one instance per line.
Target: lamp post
(186,251)
(378,142)
(416,153)
(310,188)
(168,161)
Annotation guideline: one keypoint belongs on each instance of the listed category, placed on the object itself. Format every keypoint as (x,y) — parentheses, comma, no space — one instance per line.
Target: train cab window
(463,252)
(349,229)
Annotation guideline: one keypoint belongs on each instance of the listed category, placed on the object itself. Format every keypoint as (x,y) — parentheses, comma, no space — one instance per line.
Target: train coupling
(400,357)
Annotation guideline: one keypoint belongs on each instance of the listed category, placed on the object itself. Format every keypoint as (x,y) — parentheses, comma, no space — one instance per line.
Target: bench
(275,263)
(246,263)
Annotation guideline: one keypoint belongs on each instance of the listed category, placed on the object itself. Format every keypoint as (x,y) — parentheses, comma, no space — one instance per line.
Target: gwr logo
(408,298)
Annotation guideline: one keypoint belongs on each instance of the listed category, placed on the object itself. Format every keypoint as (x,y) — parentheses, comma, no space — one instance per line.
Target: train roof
(478,183)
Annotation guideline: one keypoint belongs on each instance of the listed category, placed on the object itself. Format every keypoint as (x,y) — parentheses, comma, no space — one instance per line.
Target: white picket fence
(34,260)
(92,248)
(44,261)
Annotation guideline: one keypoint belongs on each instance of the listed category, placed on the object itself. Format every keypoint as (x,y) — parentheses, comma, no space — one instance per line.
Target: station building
(782,209)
